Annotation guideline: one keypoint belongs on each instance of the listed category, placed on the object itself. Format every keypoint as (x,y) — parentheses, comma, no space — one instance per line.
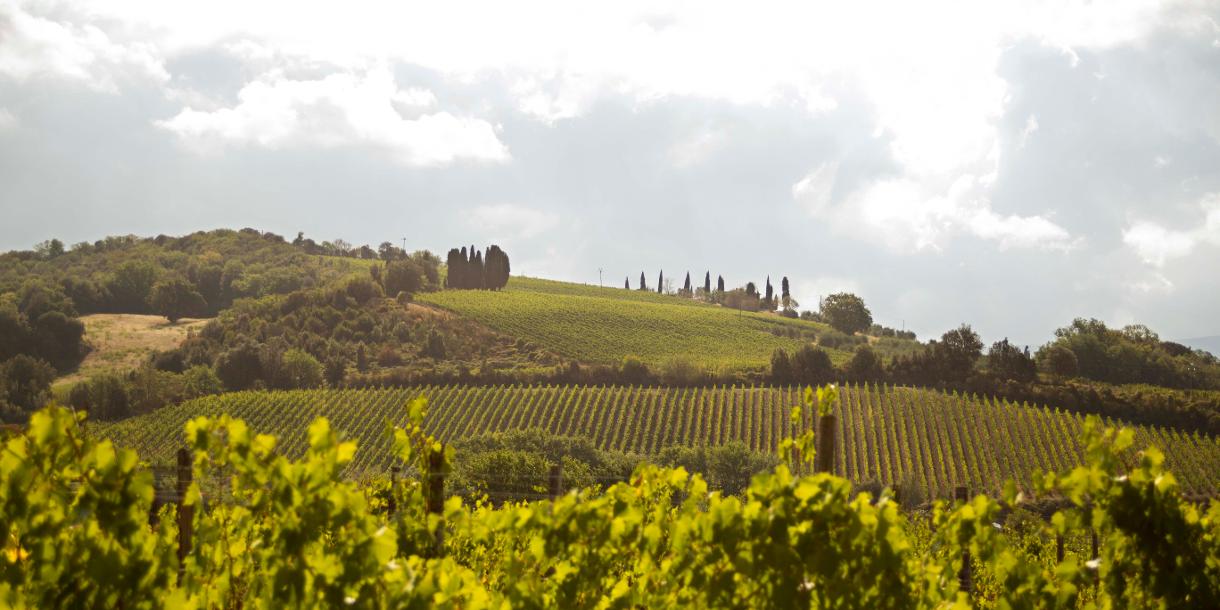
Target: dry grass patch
(123,341)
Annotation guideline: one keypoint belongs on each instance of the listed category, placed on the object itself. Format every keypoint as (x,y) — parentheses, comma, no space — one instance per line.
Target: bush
(633,371)
(681,371)
(298,369)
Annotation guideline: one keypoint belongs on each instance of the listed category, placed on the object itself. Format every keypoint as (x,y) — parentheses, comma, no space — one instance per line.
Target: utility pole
(599,277)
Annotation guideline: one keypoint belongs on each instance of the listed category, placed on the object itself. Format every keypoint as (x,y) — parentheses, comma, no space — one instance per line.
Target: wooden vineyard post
(961,494)
(186,514)
(556,481)
(436,494)
(392,503)
(826,446)
(1059,548)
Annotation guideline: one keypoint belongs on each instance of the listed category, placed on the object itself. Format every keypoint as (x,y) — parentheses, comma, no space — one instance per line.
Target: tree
(298,369)
(784,288)
(707,282)
(1059,361)
(643,286)
(751,289)
(403,276)
(1005,361)
(201,380)
(661,282)
(956,353)
(49,249)
(176,298)
(455,263)
(104,396)
(626,283)
(686,285)
(130,286)
(239,367)
(719,283)
(846,313)
(26,381)
(770,290)
(435,348)
(812,366)
(781,367)
(865,365)
(496,270)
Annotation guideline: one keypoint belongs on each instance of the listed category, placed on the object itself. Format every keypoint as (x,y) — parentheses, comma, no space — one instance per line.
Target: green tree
(846,312)
(26,381)
(403,275)
(131,284)
(201,380)
(1005,361)
(865,365)
(298,369)
(176,298)
(1059,361)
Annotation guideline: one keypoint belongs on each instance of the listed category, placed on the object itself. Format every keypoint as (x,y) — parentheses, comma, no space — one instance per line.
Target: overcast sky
(1011,166)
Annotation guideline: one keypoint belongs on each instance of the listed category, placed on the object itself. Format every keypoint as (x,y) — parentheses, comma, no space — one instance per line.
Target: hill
(917,439)
(604,325)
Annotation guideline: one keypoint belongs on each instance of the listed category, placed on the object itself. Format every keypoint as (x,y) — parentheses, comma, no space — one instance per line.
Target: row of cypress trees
(472,269)
(707,285)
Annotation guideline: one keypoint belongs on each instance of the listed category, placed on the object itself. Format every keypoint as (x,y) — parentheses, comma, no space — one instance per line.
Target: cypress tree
(686,286)
(453,261)
(707,282)
(626,283)
(643,286)
(770,290)
(661,282)
(719,283)
(784,288)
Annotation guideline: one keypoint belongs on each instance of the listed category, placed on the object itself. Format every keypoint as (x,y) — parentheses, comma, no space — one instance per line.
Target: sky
(1007,165)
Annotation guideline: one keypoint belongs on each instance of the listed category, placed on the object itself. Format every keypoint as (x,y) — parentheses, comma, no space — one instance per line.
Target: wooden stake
(826,446)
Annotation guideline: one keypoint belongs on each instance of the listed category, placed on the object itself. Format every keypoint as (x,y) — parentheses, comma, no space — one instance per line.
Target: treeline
(472,269)
(1053,376)
(195,275)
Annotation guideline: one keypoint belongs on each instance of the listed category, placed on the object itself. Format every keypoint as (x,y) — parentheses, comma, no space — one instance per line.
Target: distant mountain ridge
(1210,344)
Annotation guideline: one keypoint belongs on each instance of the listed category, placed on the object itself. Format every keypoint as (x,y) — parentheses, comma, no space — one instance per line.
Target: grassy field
(603,325)
(123,341)
(917,439)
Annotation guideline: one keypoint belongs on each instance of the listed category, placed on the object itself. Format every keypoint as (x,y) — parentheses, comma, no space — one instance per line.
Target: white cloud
(36,47)
(813,192)
(7,120)
(807,291)
(338,110)
(1157,245)
(906,215)
(1031,125)
(506,221)
(697,148)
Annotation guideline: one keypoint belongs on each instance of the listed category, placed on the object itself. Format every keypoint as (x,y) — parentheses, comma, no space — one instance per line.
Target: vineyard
(602,325)
(921,439)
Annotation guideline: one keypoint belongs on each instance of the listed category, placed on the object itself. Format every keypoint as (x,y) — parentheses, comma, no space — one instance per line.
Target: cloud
(33,47)
(340,109)
(1156,245)
(506,221)
(7,120)
(906,215)
(814,191)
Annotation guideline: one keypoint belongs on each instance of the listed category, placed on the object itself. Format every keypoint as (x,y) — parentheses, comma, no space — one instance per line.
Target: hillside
(604,325)
(918,439)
